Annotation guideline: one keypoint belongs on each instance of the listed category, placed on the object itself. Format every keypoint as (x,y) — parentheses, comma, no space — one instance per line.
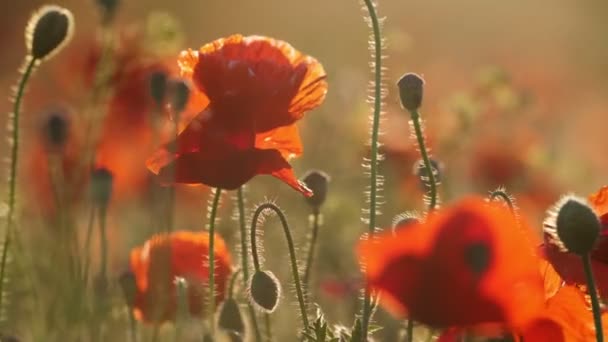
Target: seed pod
(48,30)
(230,317)
(265,290)
(317,181)
(411,87)
(577,225)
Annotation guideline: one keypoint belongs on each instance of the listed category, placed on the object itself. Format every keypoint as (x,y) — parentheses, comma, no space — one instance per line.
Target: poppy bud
(56,129)
(101,187)
(158,87)
(316,181)
(230,317)
(265,290)
(48,30)
(405,219)
(180,93)
(128,286)
(577,225)
(411,87)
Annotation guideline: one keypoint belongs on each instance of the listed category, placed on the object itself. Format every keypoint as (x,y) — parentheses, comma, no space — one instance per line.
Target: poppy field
(323,171)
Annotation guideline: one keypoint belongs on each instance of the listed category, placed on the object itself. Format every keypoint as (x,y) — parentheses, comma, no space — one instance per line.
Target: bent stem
(311,247)
(595,304)
(503,195)
(30,65)
(375,22)
(416,122)
(212,216)
(292,254)
(240,198)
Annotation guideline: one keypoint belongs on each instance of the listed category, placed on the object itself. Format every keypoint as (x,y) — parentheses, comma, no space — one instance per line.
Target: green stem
(410,330)
(595,304)
(103,235)
(311,247)
(416,122)
(87,244)
(502,194)
(231,286)
(268,324)
(212,216)
(30,63)
(375,22)
(292,254)
(240,198)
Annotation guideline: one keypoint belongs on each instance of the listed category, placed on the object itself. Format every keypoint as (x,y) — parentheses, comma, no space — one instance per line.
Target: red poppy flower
(163,258)
(250,91)
(467,264)
(569,266)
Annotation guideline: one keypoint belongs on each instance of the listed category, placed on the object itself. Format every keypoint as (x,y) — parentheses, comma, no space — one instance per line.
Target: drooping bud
(265,290)
(180,94)
(101,187)
(48,30)
(316,181)
(405,219)
(158,87)
(55,129)
(411,87)
(129,287)
(574,225)
(230,317)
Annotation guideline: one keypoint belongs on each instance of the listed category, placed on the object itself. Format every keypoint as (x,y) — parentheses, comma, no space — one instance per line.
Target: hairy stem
(595,304)
(212,216)
(30,65)
(240,198)
(502,194)
(375,22)
(292,254)
(311,247)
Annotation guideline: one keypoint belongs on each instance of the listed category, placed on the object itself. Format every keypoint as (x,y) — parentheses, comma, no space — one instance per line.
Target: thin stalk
(240,198)
(103,235)
(292,253)
(212,215)
(375,22)
(410,330)
(30,65)
(416,122)
(87,244)
(595,304)
(311,247)
(232,286)
(268,324)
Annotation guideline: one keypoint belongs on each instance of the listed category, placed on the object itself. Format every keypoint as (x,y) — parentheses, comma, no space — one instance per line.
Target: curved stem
(212,215)
(595,304)
(30,65)
(375,22)
(416,122)
(311,247)
(240,198)
(292,253)
(235,275)
(502,194)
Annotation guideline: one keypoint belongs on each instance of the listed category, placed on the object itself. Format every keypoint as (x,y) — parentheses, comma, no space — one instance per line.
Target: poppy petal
(285,139)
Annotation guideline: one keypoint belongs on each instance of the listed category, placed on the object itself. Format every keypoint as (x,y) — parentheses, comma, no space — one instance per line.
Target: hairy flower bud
(101,187)
(265,290)
(411,87)
(180,94)
(48,30)
(577,225)
(158,87)
(55,129)
(317,181)
(230,317)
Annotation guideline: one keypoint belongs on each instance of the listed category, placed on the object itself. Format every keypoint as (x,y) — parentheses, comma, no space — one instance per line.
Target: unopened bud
(101,187)
(316,181)
(265,290)
(411,87)
(55,129)
(230,317)
(129,287)
(405,219)
(108,7)
(180,94)
(158,87)
(48,30)
(577,225)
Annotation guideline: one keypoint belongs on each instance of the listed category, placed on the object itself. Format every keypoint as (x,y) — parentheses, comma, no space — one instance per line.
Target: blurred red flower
(569,265)
(250,92)
(467,264)
(161,259)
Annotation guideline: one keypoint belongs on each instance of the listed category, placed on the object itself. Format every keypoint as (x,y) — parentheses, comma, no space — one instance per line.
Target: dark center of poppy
(477,257)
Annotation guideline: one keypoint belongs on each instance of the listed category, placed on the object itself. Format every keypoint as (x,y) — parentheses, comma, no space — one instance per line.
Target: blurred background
(515,95)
